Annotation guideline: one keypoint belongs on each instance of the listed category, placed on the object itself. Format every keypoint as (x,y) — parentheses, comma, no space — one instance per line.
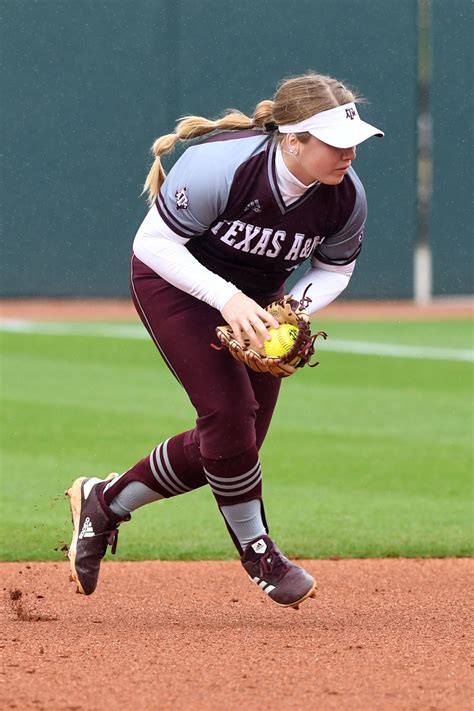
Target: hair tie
(270,127)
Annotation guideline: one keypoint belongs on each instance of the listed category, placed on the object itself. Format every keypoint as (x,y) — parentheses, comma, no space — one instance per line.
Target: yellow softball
(281,340)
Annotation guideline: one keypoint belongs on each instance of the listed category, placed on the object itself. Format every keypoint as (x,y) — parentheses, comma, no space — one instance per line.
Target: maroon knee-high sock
(174,467)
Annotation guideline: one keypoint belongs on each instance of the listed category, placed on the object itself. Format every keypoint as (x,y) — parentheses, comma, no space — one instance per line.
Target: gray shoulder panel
(197,188)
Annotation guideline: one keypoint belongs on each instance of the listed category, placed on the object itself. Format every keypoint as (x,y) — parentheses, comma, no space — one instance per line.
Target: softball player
(238,212)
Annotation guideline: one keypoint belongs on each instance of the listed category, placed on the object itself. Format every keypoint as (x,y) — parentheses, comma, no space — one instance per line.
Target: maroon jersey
(223,196)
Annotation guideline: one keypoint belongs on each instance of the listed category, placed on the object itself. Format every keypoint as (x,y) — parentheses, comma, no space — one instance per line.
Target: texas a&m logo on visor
(351,114)
(182,201)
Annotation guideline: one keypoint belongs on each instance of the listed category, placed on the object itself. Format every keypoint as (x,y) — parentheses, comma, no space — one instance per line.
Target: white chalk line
(136,331)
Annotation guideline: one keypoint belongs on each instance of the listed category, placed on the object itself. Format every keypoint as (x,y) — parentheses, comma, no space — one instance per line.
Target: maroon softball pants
(233,404)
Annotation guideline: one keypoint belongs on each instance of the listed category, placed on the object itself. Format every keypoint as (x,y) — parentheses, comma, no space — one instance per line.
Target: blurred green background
(368,455)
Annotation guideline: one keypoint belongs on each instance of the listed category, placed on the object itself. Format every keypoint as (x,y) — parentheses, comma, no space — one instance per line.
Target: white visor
(341,127)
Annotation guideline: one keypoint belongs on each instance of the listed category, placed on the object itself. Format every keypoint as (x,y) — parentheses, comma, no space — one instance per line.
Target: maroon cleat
(284,582)
(94,528)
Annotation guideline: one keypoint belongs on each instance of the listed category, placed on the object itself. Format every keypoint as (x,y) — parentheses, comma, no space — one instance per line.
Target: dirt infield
(121,310)
(381,634)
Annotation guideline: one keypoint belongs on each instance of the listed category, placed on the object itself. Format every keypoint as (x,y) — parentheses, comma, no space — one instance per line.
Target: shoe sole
(75,502)
(296,605)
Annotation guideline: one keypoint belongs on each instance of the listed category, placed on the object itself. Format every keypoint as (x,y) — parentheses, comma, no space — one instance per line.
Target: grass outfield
(368,455)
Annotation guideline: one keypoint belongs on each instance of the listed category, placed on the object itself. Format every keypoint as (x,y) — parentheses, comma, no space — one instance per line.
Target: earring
(293,151)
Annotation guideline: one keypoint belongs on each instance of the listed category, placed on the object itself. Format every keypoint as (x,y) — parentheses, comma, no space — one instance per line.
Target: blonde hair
(296,98)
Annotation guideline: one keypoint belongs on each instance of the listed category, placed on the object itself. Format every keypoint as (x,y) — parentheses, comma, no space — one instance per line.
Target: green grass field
(368,455)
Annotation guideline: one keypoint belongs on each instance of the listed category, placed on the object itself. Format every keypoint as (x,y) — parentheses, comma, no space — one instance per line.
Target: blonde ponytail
(263,113)
(189,127)
(156,176)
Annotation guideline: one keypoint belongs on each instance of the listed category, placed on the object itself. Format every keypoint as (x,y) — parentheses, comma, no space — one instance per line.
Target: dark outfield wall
(452,218)
(89,84)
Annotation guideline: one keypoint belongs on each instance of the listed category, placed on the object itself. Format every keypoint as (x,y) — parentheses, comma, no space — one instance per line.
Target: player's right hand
(245,316)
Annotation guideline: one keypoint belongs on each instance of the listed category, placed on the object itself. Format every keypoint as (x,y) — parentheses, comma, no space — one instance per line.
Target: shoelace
(272,564)
(112,535)
(112,538)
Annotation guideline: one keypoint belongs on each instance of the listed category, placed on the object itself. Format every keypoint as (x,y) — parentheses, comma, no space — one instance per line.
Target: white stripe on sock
(164,471)
(170,469)
(225,479)
(172,491)
(233,487)
(229,491)
(247,481)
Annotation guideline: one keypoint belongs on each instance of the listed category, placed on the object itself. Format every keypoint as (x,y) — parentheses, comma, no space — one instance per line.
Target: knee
(225,432)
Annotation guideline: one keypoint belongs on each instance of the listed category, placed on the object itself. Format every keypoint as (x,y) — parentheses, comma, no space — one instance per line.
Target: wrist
(226,295)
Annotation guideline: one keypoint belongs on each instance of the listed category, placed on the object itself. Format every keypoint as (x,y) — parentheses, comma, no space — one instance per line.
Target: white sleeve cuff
(157,246)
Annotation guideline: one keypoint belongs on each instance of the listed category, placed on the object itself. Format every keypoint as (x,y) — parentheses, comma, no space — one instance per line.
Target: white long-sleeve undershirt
(162,250)
(326,281)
